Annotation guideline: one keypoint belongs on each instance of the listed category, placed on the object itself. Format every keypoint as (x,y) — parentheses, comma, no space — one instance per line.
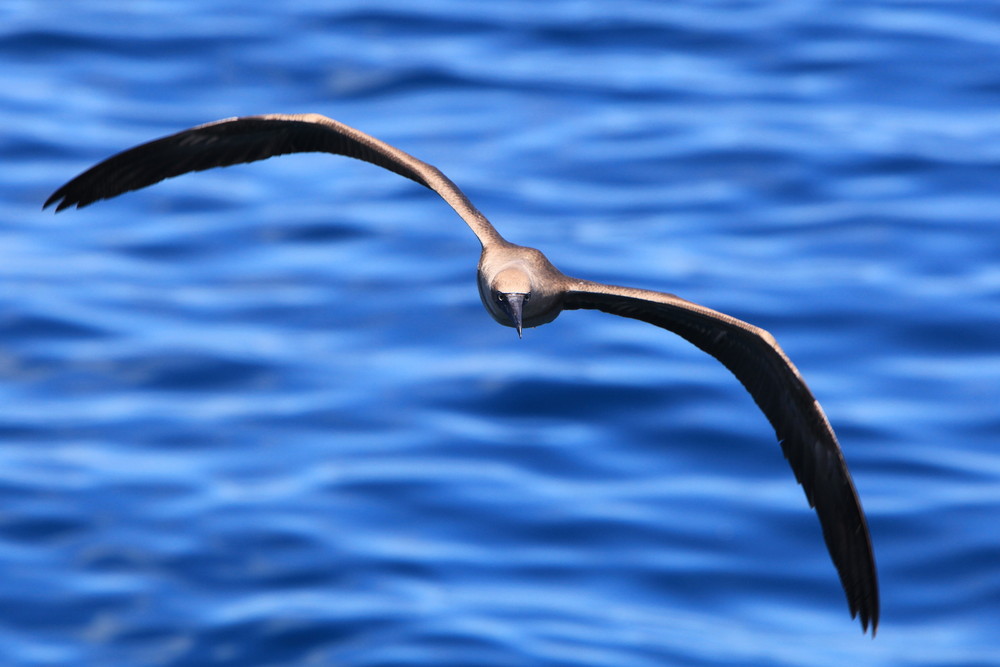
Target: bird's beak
(513,303)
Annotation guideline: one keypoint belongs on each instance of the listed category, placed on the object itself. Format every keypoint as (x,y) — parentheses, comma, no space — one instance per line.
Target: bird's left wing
(806,438)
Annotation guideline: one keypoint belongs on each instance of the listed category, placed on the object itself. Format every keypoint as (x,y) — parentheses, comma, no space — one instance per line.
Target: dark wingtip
(872,619)
(868,617)
(60,199)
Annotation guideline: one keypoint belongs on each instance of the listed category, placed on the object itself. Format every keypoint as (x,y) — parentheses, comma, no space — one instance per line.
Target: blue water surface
(258,416)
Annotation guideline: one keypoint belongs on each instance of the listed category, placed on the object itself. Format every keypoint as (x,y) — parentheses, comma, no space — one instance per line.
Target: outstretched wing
(248,139)
(806,438)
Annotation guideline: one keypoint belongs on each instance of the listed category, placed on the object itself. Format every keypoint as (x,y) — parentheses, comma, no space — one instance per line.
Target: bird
(520,288)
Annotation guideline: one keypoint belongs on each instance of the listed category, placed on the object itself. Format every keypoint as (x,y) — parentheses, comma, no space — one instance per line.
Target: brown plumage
(520,287)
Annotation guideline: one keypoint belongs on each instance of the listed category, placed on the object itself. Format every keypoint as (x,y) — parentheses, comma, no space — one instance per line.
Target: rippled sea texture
(258,416)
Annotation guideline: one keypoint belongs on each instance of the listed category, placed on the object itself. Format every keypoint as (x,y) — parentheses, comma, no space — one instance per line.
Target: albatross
(520,288)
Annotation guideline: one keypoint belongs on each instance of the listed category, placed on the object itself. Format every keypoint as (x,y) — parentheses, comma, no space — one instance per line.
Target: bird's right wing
(806,438)
(248,139)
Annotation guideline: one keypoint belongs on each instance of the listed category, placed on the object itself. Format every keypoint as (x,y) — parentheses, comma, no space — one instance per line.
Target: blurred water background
(258,416)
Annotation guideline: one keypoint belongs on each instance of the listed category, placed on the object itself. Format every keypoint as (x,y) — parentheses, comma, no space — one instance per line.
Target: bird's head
(519,287)
(510,293)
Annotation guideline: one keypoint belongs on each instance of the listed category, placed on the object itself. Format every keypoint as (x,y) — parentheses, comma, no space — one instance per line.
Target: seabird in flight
(520,288)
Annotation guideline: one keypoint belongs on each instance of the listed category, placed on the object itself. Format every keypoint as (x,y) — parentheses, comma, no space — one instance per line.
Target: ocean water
(258,416)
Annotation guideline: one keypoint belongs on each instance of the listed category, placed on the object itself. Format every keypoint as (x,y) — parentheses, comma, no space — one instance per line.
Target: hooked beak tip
(513,305)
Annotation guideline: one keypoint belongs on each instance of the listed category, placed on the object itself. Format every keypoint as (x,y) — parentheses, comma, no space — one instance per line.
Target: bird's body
(520,288)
